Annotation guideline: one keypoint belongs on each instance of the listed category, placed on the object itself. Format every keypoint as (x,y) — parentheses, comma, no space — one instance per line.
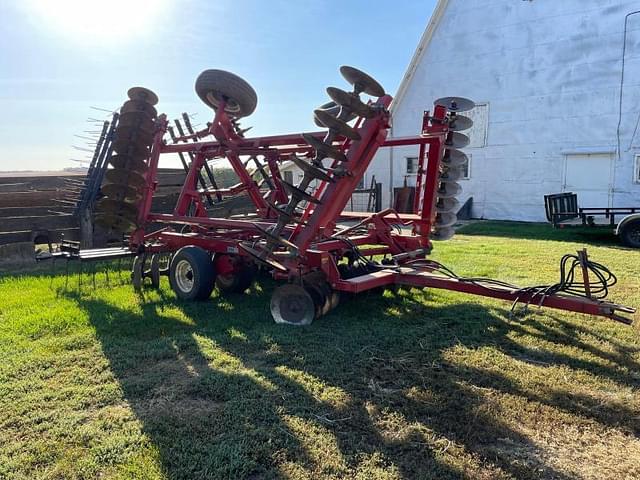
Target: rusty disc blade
(117,223)
(127,177)
(455,104)
(121,192)
(292,304)
(310,169)
(134,134)
(454,158)
(106,206)
(137,106)
(295,192)
(138,120)
(125,162)
(142,94)
(456,140)
(351,101)
(361,81)
(458,123)
(126,147)
(325,150)
(333,123)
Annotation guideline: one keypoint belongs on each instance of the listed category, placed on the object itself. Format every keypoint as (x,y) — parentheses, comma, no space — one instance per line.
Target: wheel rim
(231,106)
(634,234)
(184,276)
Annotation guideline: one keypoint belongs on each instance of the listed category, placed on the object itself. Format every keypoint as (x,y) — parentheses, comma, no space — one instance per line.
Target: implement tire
(191,274)
(213,86)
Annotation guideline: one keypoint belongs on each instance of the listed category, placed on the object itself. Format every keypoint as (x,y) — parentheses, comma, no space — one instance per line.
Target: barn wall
(550,74)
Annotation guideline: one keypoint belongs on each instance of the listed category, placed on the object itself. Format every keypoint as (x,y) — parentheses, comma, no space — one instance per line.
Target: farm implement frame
(300,233)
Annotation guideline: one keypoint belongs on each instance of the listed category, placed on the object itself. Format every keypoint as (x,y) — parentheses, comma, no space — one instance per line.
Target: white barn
(547,78)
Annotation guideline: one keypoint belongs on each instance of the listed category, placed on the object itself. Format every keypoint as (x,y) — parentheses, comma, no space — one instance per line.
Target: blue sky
(59,58)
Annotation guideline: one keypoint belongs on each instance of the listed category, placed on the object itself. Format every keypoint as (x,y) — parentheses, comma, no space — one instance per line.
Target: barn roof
(434,21)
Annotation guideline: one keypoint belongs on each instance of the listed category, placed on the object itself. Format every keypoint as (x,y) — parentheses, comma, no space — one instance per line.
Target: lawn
(412,384)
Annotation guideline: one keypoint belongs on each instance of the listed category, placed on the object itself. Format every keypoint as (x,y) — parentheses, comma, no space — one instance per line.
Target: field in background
(412,384)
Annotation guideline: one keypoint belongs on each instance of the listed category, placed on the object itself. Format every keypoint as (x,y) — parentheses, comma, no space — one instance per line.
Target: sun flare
(94,21)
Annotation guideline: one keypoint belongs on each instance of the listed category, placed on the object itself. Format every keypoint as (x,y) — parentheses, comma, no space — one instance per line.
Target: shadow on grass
(222,392)
(603,236)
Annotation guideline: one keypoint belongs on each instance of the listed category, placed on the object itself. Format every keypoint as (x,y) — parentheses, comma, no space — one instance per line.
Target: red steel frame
(318,246)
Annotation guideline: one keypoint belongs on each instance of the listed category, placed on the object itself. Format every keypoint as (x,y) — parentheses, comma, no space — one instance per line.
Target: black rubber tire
(215,85)
(137,272)
(154,270)
(237,282)
(202,274)
(630,233)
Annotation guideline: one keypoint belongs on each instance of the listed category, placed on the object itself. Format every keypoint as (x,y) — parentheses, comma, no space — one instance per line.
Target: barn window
(466,169)
(478,133)
(412,165)
(636,170)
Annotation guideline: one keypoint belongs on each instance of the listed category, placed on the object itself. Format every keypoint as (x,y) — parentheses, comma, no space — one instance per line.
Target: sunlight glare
(98,21)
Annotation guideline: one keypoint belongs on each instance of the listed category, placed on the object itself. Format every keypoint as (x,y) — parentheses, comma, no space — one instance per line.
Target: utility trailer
(301,234)
(562,211)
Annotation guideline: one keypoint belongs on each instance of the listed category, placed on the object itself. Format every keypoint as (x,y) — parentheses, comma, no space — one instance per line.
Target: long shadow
(222,392)
(601,236)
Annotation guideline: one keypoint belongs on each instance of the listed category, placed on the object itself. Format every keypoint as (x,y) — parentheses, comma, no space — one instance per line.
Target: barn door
(589,175)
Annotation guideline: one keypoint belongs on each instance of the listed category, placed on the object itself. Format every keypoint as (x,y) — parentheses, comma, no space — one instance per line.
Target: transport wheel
(630,234)
(137,272)
(191,274)
(154,270)
(233,275)
(213,86)
(292,305)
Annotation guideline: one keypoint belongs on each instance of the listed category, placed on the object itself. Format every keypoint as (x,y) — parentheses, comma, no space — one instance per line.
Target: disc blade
(449,189)
(137,106)
(458,123)
(295,192)
(115,222)
(455,104)
(456,140)
(292,304)
(118,175)
(337,125)
(121,192)
(350,101)
(142,94)
(323,149)
(445,220)
(124,146)
(310,169)
(441,234)
(114,207)
(133,134)
(138,120)
(454,158)
(128,163)
(361,81)
(289,217)
(451,174)
(447,205)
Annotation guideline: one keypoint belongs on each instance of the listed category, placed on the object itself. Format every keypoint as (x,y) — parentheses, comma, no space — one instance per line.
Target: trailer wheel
(213,86)
(191,274)
(630,233)
(233,276)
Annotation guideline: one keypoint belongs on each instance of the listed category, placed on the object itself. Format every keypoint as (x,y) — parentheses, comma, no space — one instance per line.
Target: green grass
(414,384)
